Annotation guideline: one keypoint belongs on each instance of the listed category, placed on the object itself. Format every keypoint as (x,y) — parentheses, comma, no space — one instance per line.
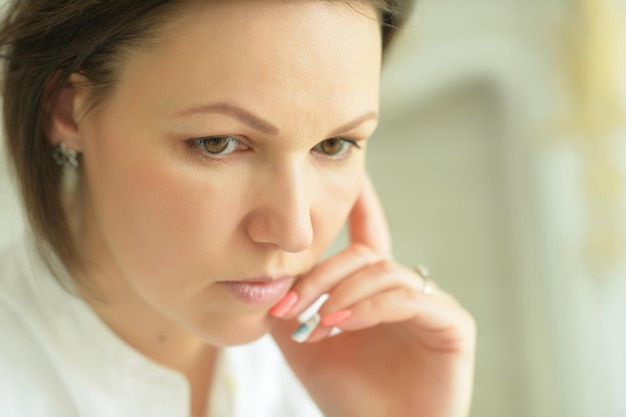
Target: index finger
(368,225)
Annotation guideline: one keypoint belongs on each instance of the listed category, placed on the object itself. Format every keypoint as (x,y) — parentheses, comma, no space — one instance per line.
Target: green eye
(335,147)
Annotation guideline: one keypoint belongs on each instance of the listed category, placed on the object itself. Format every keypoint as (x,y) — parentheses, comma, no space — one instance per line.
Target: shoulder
(29,384)
(16,296)
(9,263)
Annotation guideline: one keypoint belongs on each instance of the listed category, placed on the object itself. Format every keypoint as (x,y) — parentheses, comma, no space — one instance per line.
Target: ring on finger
(422,271)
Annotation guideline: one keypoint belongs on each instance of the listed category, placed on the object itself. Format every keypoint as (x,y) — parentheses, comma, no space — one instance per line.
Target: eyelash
(200,145)
(349,144)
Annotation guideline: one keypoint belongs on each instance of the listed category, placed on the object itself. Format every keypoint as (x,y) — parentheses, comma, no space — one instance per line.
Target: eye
(218,145)
(336,147)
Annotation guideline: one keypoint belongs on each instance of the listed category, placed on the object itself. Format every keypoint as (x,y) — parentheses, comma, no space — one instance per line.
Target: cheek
(334,204)
(157,218)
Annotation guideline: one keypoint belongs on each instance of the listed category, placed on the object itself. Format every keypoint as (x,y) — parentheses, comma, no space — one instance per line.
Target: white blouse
(59,359)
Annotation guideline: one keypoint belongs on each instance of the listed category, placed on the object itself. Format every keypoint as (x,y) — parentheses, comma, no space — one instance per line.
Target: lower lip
(252,292)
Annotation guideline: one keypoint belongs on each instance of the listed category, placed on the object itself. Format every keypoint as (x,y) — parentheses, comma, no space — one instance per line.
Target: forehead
(302,54)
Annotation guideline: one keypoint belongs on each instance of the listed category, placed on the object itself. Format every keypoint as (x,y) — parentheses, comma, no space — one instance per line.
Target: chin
(238,332)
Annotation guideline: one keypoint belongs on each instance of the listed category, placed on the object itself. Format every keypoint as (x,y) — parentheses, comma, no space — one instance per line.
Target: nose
(282,209)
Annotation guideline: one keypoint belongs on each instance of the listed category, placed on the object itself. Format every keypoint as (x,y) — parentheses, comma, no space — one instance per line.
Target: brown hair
(43,43)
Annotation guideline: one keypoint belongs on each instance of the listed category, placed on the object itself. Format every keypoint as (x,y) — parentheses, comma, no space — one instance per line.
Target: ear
(63,112)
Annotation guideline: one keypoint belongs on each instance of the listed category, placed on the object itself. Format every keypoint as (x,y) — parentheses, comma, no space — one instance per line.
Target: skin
(163,221)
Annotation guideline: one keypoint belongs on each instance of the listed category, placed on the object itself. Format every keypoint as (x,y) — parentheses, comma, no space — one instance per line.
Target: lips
(259,291)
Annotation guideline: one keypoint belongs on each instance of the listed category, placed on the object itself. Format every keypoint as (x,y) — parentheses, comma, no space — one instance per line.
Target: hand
(402,352)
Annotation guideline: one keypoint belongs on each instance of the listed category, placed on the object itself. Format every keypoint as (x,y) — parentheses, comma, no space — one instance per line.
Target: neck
(143,328)
(158,338)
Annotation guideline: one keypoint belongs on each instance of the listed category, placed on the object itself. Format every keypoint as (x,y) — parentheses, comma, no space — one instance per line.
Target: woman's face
(226,152)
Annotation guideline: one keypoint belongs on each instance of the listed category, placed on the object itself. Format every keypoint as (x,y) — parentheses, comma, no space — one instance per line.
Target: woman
(217,148)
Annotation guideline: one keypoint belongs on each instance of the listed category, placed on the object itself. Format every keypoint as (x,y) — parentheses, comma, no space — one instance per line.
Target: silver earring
(65,157)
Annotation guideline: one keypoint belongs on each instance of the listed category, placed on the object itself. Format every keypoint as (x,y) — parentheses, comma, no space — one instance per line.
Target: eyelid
(195,144)
(348,142)
(353,142)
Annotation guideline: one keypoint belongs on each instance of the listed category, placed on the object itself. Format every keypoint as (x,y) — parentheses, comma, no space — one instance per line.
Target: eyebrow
(356,122)
(262,125)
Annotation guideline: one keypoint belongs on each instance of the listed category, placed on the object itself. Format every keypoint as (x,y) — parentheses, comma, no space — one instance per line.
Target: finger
(434,322)
(382,276)
(368,225)
(324,276)
(391,306)
(365,283)
(370,280)
(394,297)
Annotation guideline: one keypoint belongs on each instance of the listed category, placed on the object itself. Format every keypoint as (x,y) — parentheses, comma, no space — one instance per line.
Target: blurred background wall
(501,160)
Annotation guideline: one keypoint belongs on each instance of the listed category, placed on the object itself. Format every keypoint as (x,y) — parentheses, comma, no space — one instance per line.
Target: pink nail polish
(283,307)
(334,318)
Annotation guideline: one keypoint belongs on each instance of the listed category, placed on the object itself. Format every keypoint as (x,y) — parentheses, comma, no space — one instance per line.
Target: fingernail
(283,307)
(303,332)
(334,318)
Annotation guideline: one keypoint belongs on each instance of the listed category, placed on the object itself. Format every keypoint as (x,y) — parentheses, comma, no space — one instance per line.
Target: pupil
(332,146)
